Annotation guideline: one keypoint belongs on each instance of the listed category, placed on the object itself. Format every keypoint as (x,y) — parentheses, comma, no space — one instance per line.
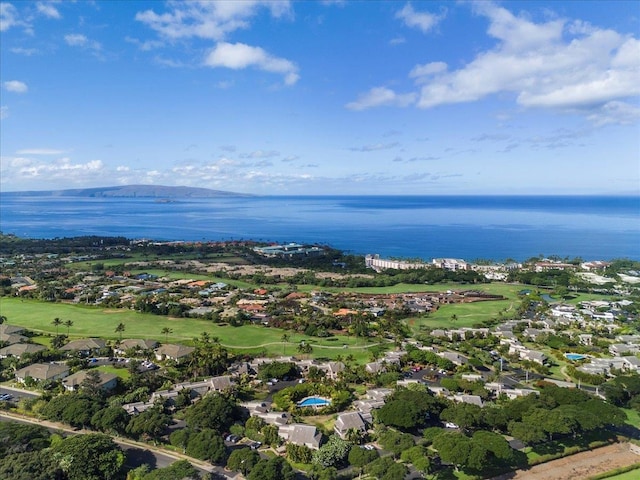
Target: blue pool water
(314,402)
(574,356)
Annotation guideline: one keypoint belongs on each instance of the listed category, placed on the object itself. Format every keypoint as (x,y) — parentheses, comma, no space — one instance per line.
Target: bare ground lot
(579,466)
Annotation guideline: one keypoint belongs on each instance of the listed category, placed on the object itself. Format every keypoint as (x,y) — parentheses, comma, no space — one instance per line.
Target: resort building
(288,250)
(450,264)
(377,263)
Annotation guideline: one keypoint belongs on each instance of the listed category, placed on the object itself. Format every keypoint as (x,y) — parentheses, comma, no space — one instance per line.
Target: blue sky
(331,97)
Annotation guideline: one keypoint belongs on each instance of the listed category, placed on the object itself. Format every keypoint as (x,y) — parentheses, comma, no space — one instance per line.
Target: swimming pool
(314,402)
(575,356)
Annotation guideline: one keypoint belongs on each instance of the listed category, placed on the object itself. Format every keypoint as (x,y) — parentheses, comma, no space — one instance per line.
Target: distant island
(131,191)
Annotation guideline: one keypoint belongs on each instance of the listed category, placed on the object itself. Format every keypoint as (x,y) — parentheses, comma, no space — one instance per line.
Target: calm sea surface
(468,227)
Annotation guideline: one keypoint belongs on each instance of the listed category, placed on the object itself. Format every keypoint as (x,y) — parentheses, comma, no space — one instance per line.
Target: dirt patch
(579,466)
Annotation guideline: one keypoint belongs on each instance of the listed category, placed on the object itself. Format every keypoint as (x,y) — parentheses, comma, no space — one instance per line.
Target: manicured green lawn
(466,314)
(632,475)
(97,322)
(123,373)
(633,417)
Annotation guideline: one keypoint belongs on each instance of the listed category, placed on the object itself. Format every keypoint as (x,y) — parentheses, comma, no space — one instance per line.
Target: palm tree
(285,340)
(166,331)
(119,329)
(2,319)
(305,348)
(68,324)
(56,323)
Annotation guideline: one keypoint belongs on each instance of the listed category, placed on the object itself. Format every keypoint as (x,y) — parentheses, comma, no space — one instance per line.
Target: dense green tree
(495,418)
(333,453)
(207,445)
(243,460)
(276,468)
(72,408)
(494,443)
(359,457)
(89,457)
(277,370)
(214,411)
(453,447)
(150,424)
(407,409)
(318,472)
(299,453)
(19,437)
(419,457)
(395,442)
(180,438)
(33,465)
(181,469)
(465,415)
(386,468)
(527,432)
(111,419)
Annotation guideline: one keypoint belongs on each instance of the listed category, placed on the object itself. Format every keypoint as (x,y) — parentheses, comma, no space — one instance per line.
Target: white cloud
(8,16)
(48,10)
(15,86)
(375,147)
(549,65)
(561,65)
(206,19)
(423,21)
(76,39)
(4,112)
(427,69)
(144,46)
(381,96)
(40,151)
(26,169)
(261,154)
(25,51)
(615,112)
(238,56)
(81,41)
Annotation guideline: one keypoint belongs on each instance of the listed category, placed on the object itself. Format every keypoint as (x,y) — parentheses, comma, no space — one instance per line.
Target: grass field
(123,373)
(632,475)
(97,322)
(633,417)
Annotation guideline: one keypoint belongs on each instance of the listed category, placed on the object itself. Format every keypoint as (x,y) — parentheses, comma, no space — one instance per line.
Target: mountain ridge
(131,191)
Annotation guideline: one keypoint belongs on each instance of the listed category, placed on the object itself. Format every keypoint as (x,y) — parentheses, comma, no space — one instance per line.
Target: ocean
(468,227)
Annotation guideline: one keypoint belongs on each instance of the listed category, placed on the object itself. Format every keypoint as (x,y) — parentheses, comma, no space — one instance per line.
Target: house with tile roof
(348,421)
(85,346)
(107,381)
(301,434)
(174,352)
(42,372)
(19,349)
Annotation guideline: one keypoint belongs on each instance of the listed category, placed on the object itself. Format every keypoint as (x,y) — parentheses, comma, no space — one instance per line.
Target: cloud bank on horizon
(334,97)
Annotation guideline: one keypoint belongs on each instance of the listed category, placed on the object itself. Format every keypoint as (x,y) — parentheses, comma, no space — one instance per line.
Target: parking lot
(14,395)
